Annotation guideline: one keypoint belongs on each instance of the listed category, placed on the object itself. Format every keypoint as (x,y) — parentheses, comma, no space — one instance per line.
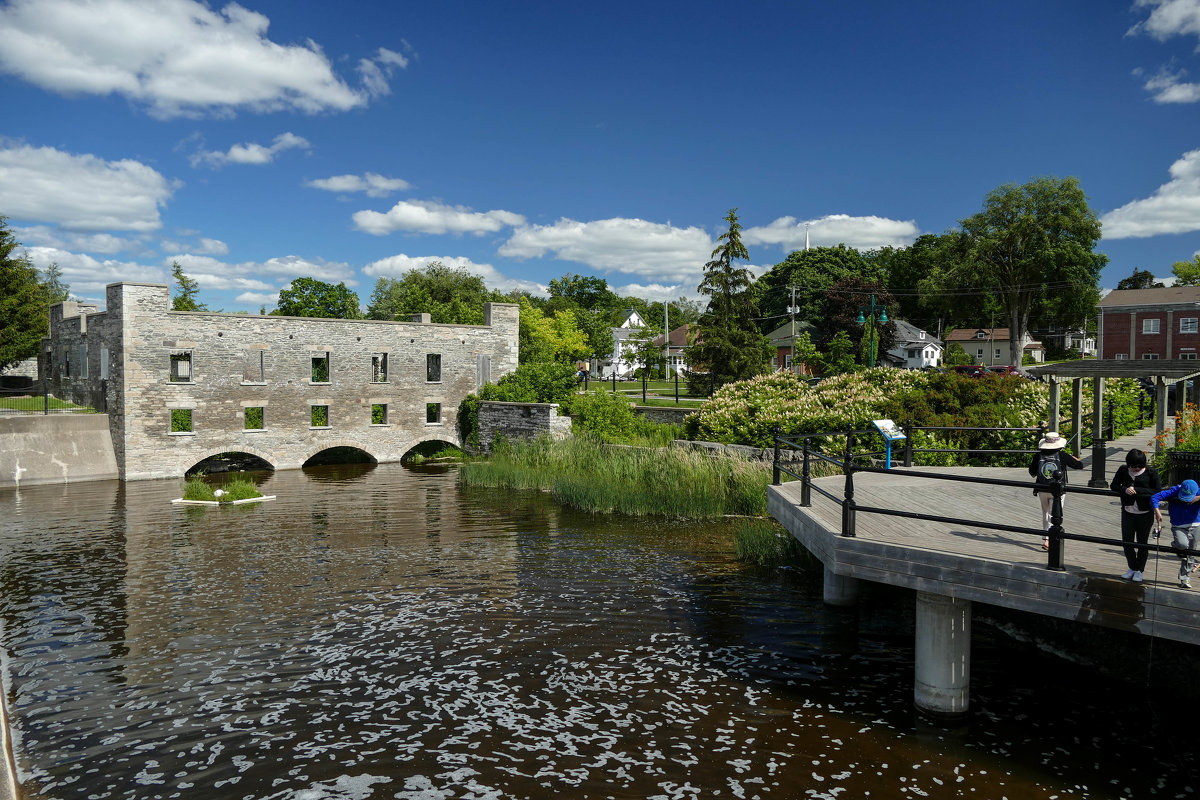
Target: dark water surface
(378,633)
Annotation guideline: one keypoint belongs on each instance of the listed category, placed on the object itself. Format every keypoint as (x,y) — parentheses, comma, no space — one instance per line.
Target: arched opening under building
(432,452)
(232,461)
(340,455)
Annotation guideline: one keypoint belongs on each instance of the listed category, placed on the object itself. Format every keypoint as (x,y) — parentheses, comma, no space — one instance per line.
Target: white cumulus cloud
(421,216)
(395,267)
(372,184)
(80,192)
(863,233)
(176,57)
(250,152)
(103,243)
(87,275)
(1173,208)
(654,250)
(1169,18)
(212,273)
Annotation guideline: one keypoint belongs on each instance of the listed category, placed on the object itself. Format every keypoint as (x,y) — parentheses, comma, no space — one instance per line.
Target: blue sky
(260,142)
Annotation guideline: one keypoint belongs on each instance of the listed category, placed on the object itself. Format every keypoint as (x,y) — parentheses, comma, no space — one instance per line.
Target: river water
(377,632)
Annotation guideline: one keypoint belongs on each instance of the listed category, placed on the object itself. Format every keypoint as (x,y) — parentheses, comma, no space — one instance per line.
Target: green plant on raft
(235,489)
(197,489)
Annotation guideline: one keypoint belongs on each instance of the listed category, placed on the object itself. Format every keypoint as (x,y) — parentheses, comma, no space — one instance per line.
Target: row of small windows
(255,367)
(1154,356)
(254,417)
(1186,325)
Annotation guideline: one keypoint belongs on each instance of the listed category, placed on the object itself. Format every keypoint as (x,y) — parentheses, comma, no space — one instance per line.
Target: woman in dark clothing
(1048,462)
(1135,483)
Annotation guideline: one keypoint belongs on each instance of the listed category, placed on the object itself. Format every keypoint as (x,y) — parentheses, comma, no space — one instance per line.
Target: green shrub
(607,415)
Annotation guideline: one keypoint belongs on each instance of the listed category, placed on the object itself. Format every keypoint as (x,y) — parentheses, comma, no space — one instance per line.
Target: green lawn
(36,404)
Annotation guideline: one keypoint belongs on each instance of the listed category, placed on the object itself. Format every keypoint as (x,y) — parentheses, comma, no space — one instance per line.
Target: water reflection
(375,632)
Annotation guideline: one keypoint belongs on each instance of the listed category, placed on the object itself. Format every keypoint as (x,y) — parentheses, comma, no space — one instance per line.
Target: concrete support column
(840,590)
(943,654)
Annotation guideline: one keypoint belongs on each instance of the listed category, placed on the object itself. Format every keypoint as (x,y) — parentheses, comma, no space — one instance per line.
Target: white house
(914,348)
(623,361)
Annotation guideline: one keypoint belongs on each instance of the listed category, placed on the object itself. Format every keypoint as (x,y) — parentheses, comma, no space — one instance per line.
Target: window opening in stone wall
(254,370)
(181,367)
(103,363)
(181,420)
(379,413)
(433,367)
(379,368)
(83,359)
(320,368)
(483,371)
(254,418)
(66,361)
(320,416)
(433,413)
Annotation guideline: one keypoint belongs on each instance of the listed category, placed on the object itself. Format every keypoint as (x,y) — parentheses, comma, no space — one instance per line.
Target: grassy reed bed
(233,489)
(586,474)
(767,543)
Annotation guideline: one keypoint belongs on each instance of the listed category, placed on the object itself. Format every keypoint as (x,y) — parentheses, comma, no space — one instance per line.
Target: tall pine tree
(727,342)
(23,303)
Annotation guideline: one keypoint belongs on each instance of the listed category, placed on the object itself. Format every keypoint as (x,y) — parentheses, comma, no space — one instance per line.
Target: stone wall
(213,367)
(20,375)
(520,421)
(662,415)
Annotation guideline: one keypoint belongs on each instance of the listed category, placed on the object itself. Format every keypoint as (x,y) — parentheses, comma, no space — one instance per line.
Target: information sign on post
(891,433)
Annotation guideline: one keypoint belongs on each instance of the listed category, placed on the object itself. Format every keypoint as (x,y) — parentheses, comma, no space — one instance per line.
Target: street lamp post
(883,318)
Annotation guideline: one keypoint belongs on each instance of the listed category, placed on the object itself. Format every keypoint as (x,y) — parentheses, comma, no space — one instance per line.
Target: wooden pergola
(1163,372)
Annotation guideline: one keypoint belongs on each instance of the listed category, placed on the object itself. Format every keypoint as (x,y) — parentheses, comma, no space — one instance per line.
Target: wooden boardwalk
(989,566)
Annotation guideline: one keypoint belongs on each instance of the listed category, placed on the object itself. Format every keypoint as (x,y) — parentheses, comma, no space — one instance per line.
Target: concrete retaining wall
(59,448)
(520,421)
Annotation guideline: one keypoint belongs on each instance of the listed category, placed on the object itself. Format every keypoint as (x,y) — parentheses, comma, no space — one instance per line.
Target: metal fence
(37,399)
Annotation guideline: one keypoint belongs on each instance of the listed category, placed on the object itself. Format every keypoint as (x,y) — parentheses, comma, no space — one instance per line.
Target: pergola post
(1099,446)
(1052,418)
(1076,416)
(1160,416)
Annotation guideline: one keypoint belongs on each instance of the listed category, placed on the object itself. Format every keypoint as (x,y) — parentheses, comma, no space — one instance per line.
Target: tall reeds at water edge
(589,475)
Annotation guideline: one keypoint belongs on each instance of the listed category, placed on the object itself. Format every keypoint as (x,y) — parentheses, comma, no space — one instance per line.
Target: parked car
(1008,370)
(969,370)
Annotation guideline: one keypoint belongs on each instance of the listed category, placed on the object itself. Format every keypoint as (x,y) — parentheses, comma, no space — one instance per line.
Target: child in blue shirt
(1183,506)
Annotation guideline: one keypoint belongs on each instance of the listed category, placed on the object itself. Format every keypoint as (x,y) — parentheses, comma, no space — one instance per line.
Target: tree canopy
(1187,273)
(1034,244)
(813,273)
(309,297)
(1140,279)
(24,301)
(546,339)
(448,294)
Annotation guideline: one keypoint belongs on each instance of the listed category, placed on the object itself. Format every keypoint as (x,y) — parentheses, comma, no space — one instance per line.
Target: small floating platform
(182,502)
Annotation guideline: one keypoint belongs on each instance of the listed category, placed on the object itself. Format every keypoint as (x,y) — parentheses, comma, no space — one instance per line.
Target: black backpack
(1049,466)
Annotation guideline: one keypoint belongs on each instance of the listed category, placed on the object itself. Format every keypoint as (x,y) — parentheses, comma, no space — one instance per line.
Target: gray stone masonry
(520,421)
(663,415)
(213,367)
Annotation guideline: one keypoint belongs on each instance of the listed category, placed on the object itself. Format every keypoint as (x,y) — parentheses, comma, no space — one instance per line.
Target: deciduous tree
(449,295)
(1187,273)
(309,297)
(1035,244)
(1140,279)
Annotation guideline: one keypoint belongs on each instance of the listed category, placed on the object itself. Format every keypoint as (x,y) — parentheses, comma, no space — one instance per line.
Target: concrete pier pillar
(840,590)
(943,654)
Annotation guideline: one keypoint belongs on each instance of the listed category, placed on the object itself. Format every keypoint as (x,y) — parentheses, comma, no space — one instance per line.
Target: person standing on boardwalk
(1184,510)
(1136,483)
(1047,465)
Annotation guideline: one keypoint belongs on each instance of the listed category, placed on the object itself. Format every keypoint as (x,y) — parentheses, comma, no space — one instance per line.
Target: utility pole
(792,313)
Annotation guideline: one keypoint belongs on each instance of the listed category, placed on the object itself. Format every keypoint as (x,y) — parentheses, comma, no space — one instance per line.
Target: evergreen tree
(728,344)
(185,299)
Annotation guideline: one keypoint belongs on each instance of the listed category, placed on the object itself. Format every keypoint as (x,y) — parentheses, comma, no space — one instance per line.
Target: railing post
(1112,422)
(848,505)
(677,386)
(775,471)
(908,437)
(1141,412)
(805,477)
(1054,559)
(45,396)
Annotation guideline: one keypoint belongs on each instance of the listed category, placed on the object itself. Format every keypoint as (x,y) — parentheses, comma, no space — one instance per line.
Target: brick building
(1150,324)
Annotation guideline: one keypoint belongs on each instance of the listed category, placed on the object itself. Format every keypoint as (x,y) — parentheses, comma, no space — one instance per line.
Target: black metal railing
(37,398)
(1057,534)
